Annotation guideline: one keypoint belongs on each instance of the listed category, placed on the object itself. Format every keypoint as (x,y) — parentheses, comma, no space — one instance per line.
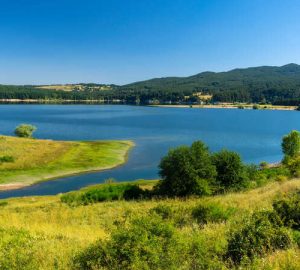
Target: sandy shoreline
(231,106)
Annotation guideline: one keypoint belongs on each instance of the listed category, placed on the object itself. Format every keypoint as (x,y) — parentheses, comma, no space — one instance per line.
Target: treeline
(274,85)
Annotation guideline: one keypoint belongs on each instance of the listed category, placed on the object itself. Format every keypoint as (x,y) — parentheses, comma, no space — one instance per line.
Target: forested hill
(256,84)
(266,84)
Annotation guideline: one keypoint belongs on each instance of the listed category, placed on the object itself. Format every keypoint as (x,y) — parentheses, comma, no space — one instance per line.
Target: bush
(147,244)
(211,213)
(16,250)
(164,211)
(3,203)
(288,209)
(25,130)
(263,165)
(293,165)
(291,144)
(186,171)
(273,173)
(106,192)
(260,234)
(231,173)
(5,159)
(134,192)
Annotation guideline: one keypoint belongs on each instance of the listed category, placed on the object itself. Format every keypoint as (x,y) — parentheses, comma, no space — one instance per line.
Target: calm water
(255,134)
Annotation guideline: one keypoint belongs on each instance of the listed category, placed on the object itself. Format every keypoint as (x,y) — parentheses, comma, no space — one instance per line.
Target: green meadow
(46,233)
(33,160)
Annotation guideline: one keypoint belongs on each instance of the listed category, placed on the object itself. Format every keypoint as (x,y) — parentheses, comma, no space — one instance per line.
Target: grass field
(58,231)
(71,87)
(38,160)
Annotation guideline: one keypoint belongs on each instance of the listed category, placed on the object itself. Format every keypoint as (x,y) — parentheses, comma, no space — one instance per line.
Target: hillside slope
(50,233)
(250,84)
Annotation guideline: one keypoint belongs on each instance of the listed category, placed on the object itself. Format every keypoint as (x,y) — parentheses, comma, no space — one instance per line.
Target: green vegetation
(261,85)
(105,192)
(194,233)
(251,222)
(25,130)
(260,234)
(291,144)
(186,171)
(25,161)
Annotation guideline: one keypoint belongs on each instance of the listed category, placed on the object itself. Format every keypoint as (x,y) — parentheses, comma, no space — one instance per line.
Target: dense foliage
(288,209)
(149,243)
(187,170)
(195,171)
(25,130)
(107,192)
(260,234)
(291,144)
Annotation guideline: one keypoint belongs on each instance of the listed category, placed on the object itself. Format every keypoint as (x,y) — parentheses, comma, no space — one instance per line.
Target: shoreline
(231,106)
(119,102)
(62,174)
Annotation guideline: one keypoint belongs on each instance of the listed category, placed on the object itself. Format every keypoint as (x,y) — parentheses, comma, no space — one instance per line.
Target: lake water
(255,134)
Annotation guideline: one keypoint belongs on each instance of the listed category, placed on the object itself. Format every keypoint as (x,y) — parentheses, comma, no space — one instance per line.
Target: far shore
(231,106)
(120,102)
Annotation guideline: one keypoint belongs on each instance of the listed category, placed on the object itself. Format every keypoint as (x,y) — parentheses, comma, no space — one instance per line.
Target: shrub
(16,250)
(273,173)
(291,144)
(4,159)
(296,237)
(231,173)
(164,211)
(288,209)
(134,192)
(186,171)
(263,165)
(25,130)
(260,234)
(212,212)
(106,192)
(3,203)
(147,244)
(293,165)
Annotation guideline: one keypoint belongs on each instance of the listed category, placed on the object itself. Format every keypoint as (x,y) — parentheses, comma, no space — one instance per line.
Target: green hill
(266,84)
(256,84)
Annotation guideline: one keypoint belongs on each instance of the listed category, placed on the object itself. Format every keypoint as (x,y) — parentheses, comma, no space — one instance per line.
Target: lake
(255,134)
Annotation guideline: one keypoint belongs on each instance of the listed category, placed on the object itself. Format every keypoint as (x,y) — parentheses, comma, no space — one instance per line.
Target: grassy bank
(51,232)
(39,160)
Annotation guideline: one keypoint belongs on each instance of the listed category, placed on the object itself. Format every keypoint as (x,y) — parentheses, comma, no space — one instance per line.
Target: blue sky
(121,41)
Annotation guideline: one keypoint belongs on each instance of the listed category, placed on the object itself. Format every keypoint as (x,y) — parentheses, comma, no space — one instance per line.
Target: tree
(25,130)
(186,171)
(230,168)
(291,144)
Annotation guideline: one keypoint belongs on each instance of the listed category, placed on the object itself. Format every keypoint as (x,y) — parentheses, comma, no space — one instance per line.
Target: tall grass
(55,231)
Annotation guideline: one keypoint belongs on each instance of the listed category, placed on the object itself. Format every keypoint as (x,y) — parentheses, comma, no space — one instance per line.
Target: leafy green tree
(186,171)
(231,171)
(25,130)
(291,144)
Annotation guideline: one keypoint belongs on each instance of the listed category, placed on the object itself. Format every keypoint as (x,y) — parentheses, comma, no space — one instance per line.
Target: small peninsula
(25,161)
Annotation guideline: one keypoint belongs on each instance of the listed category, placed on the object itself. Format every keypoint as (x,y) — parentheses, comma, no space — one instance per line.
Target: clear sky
(121,41)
